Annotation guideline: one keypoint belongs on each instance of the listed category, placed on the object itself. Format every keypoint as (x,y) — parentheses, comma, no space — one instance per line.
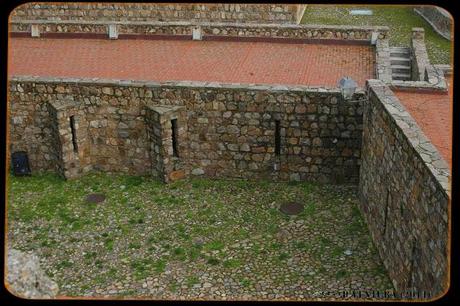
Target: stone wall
(425,76)
(208,29)
(404,190)
(226,130)
(244,13)
(420,62)
(438,18)
(382,60)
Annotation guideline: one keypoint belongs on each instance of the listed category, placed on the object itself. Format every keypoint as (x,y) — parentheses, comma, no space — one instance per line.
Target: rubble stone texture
(209,29)
(26,279)
(404,189)
(246,13)
(229,130)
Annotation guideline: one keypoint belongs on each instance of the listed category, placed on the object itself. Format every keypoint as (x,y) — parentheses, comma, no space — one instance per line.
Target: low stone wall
(423,70)
(349,33)
(438,18)
(425,76)
(382,60)
(420,62)
(404,191)
(245,13)
(228,130)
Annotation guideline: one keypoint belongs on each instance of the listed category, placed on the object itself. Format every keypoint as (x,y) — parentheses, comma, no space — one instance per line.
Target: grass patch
(337,251)
(232,263)
(213,261)
(283,256)
(303,246)
(108,243)
(399,18)
(309,210)
(160,266)
(214,246)
(64,264)
(134,245)
(142,268)
(192,280)
(341,274)
(245,283)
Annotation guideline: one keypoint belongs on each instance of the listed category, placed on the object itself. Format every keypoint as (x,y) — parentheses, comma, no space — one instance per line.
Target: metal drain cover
(291,208)
(95,198)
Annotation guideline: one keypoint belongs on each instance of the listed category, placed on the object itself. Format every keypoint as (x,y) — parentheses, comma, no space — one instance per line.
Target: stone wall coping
(421,85)
(209,24)
(445,68)
(409,127)
(187,84)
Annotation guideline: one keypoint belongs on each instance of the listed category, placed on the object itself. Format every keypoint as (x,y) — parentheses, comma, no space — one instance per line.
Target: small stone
(197,171)
(107,90)
(227,114)
(122,125)
(245,147)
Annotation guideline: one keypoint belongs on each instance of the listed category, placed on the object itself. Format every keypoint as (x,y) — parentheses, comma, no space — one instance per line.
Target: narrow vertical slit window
(74,134)
(277,138)
(174,137)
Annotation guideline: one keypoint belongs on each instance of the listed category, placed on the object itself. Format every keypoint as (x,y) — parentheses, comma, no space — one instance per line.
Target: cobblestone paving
(193,239)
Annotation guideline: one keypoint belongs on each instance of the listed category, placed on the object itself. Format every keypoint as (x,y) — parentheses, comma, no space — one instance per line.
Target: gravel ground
(400,19)
(193,239)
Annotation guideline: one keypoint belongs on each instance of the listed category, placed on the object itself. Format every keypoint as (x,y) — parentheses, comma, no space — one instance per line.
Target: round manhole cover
(291,208)
(95,198)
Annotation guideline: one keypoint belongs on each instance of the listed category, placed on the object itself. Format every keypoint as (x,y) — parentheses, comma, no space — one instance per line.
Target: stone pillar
(420,62)
(169,157)
(197,33)
(69,138)
(113,31)
(418,33)
(34,30)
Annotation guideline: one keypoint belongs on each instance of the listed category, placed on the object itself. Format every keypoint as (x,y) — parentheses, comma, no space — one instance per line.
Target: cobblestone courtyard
(193,239)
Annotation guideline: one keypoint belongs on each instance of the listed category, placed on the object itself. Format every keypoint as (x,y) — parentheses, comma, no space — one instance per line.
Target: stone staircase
(400,63)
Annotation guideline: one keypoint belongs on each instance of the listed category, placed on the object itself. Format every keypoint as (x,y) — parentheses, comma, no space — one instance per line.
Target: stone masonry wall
(230,128)
(404,190)
(245,13)
(425,76)
(209,29)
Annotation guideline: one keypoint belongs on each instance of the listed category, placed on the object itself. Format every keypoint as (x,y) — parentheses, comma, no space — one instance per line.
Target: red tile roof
(433,113)
(166,60)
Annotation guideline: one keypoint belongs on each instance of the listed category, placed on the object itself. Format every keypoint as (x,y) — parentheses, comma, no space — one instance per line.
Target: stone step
(401,76)
(400,51)
(406,49)
(397,60)
(400,69)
